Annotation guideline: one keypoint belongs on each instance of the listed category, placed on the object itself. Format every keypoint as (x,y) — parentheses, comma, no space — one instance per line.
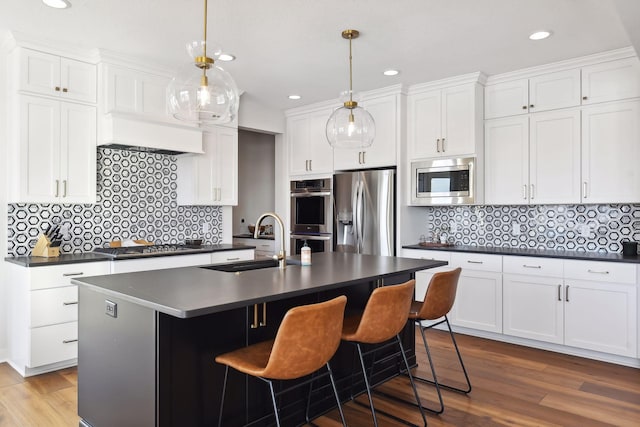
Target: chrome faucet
(281,256)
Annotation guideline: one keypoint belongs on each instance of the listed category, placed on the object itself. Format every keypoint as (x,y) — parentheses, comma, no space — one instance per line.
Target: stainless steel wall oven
(311,215)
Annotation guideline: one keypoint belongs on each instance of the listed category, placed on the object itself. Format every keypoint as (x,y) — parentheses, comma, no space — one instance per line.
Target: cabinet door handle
(559,292)
(364,159)
(264,314)
(597,272)
(64,188)
(584,190)
(524,191)
(70,303)
(438,145)
(57,188)
(531,266)
(531,106)
(72,274)
(69,341)
(65,90)
(233,259)
(255,324)
(475,262)
(443,149)
(57,88)
(524,107)
(584,98)
(533,191)
(566,293)
(310,165)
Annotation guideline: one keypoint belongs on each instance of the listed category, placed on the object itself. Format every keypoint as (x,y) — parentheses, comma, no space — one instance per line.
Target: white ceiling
(294,46)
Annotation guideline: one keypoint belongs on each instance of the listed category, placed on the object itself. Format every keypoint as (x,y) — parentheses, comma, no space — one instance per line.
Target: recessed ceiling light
(390,72)
(226,57)
(57,4)
(294,97)
(540,35)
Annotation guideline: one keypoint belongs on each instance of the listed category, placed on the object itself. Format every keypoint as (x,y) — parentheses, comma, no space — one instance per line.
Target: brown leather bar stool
(306,340)
(439,299)
(384,316)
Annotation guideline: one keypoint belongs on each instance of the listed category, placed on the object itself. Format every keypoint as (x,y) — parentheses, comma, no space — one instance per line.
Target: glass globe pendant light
(203,93)
(350,126)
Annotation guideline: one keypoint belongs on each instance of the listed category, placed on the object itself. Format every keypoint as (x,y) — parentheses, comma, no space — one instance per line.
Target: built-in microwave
(443,181)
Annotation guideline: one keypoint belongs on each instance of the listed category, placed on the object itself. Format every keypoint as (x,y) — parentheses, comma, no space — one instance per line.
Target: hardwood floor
(512,386)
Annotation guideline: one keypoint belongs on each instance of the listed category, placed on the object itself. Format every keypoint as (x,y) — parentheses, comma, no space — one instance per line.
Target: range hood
(130,132)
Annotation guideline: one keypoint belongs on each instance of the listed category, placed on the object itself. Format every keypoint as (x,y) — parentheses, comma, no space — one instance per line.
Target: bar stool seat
(384,316)
(306,340)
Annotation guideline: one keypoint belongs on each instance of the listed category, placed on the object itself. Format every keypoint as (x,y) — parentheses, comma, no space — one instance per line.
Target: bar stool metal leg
(273,400)
(335,392)
(366,384)
(224,390)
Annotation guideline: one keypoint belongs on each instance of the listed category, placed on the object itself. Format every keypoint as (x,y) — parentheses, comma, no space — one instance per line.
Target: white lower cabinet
(588,305)
(479,297)
(232,256)
(598,314)
(43,315)
(601,307)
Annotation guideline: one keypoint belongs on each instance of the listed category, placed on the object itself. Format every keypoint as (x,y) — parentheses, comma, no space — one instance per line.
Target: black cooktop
(137,251)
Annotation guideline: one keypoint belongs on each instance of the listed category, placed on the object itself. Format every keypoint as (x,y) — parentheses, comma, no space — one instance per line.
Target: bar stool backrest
(385,314)
(307,339)
(440,296)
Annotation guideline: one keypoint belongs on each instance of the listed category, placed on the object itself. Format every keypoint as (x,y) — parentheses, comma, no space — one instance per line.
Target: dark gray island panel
(153,364)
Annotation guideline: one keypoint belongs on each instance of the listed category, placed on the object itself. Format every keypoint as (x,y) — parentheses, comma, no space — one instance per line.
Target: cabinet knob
(531,106)
(584,98)
(524,107)
(57,88)
(65,90)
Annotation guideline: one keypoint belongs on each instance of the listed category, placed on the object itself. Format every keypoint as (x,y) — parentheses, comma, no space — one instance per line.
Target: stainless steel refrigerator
(364,215)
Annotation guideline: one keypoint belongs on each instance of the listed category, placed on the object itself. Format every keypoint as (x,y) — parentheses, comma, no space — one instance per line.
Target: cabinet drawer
(600,271)
(264,246)
(52,306)
(479,262)
(531,266)
(61,275)
(426,254)
(51,344)
(231,256)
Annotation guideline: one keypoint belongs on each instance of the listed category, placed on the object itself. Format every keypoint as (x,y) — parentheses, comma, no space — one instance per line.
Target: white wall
(256,179)
(3,207)
(256,116)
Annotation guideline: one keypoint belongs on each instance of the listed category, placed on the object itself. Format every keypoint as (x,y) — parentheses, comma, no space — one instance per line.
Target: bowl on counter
(252,228)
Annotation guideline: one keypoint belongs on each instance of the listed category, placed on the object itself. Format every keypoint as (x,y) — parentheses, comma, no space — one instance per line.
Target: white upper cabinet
(309,150)
(610,152)
(382,152)
(132,91)
(445,122)
(55,154)
(534,159)
(46,74)
(611,81)
(211,178)
(507,160)
(540,93)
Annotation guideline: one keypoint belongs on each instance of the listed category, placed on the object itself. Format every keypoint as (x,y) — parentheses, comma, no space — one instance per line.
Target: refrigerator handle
(354,211)
(360,214)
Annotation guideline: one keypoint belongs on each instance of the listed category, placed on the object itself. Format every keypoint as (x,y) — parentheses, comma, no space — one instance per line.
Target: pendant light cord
(205,29)
(350,72)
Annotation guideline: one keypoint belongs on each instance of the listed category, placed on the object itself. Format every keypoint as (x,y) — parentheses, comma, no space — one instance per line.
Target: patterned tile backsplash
(136,199)
(590,228)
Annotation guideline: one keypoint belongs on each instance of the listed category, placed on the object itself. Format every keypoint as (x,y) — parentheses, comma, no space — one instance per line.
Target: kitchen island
(147,340)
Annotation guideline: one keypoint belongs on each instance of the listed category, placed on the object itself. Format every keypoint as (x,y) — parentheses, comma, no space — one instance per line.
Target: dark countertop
(36,261)
(543,253)
(250,236)
(193,291)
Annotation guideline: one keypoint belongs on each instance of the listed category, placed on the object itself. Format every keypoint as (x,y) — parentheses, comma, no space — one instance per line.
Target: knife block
(43,248)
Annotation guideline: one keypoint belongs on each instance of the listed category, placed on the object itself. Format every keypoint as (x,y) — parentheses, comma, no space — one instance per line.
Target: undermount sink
(248,265)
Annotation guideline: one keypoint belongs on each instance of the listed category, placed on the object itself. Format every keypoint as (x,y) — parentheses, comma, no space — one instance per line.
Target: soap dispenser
(305,254)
